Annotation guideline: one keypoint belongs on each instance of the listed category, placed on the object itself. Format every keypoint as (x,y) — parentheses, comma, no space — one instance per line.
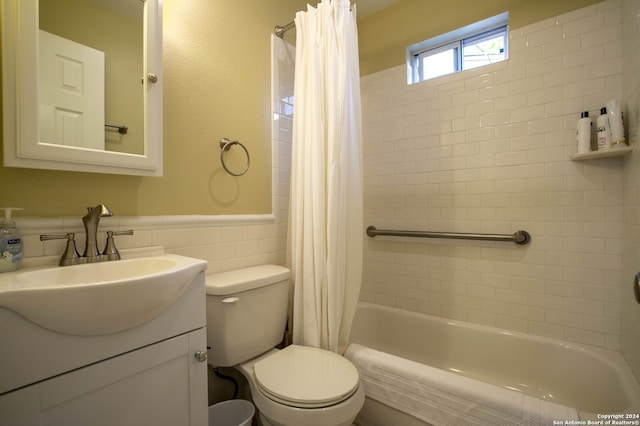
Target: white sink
(94,273)
(99,298)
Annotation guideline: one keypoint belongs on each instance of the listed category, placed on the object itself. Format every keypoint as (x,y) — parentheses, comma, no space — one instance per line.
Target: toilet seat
(306,377)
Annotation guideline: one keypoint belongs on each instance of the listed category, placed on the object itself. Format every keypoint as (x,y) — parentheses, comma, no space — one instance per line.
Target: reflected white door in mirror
(43,130)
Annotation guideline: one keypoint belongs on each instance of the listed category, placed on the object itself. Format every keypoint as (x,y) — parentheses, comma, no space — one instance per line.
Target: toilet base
(263,421)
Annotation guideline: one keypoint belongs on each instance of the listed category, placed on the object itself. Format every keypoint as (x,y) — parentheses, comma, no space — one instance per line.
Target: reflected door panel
(71,93)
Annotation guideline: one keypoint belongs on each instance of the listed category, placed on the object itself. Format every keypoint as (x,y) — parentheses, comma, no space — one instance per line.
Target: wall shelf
(593,155)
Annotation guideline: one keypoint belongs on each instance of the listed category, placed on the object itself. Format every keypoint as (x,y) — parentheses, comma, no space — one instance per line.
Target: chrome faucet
(91,221)
(91,253)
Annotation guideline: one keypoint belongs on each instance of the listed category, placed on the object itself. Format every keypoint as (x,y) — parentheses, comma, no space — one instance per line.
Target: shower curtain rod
(279,31)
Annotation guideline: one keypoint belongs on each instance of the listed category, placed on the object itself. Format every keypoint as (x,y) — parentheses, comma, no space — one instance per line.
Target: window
(475,45)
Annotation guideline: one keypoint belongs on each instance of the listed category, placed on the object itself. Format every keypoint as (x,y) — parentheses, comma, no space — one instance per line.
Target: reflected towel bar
(518,237)
(122,129)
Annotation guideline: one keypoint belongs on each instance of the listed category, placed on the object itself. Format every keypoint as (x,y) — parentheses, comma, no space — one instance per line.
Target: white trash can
(235,412)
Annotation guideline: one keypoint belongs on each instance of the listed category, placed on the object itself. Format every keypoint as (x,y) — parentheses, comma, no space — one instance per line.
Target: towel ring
(225,144)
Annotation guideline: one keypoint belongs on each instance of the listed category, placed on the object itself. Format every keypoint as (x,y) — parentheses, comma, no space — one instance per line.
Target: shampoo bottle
(616,124)
(603,130)
(583,136)
(10,242)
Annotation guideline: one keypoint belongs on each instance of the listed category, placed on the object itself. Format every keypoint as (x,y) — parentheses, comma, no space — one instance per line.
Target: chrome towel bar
(518,237)
(122,129)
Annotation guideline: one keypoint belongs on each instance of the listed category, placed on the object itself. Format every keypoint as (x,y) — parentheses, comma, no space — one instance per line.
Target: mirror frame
(21,134)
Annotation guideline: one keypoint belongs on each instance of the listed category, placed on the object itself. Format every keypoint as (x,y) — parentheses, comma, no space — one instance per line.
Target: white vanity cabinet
(161,384)
(154,374)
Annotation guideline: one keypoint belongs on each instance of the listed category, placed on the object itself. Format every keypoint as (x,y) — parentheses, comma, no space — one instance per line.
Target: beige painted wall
(385,35)
(217,84)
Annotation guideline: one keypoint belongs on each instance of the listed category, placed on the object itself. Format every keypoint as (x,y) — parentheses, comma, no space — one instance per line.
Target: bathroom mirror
(31,136)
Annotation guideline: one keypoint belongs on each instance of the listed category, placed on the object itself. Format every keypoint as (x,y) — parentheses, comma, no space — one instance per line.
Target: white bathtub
(594,381)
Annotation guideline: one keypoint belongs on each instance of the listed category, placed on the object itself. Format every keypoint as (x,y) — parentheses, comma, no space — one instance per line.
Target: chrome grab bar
(518,237)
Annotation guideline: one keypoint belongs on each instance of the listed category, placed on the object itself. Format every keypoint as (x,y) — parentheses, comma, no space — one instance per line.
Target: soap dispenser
(10,242)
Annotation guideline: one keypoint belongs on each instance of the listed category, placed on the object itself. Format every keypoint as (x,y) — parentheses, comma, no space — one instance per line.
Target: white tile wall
(487,150)
(226,242)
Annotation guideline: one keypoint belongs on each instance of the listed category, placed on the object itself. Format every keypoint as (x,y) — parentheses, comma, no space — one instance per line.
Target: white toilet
(298,385)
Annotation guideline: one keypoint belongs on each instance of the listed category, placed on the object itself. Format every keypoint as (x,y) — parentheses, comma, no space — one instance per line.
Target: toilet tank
(246,313)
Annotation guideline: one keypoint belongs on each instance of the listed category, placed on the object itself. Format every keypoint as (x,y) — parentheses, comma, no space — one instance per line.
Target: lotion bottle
(603,130)
(583,134)
(11,248)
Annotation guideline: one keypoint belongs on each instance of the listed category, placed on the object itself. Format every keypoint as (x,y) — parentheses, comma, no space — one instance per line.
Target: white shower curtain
(325,219)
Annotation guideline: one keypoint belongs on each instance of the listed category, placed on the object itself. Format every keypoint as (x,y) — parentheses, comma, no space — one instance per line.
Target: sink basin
(95,273)
(99,298)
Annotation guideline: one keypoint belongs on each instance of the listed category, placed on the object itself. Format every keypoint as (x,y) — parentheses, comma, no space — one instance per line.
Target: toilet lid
(302,376)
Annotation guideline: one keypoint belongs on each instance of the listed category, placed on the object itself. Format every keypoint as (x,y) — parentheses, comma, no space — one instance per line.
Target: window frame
(418,58)
(480,37)
(455,39)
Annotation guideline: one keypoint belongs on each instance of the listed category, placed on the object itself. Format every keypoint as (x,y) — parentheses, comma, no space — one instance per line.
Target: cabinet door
(162,384)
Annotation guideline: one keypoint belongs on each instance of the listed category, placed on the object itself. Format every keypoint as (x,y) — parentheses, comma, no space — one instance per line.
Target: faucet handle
(70,255)
(110,251)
